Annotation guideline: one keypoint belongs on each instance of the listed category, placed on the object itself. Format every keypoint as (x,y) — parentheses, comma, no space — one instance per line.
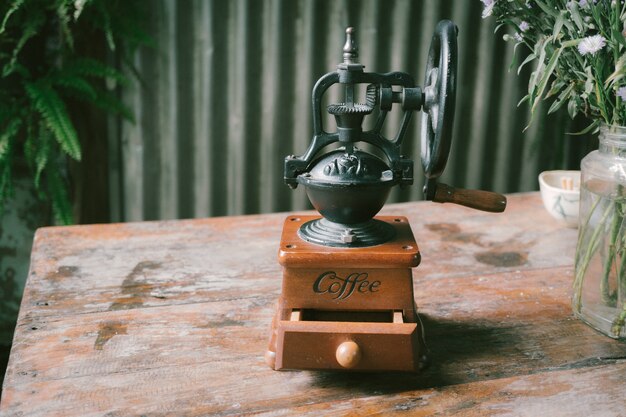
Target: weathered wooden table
(172,318)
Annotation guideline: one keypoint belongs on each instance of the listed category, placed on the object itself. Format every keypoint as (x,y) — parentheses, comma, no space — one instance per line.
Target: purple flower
(524,26)
(621,93)
(488,10)
(583,4)
(591,44)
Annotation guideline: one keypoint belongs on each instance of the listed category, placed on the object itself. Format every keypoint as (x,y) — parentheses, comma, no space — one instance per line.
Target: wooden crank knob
(348,354)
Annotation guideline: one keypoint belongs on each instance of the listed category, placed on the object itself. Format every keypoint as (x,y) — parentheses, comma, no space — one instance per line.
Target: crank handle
(476,199)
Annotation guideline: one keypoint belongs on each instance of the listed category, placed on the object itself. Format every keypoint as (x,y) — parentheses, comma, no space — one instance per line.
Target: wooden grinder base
(347,308)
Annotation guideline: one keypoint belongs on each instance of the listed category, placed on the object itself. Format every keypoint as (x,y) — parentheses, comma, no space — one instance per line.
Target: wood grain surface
(172,319)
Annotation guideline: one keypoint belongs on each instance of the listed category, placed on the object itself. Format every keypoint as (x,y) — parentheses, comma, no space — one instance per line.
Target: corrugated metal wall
(225,95)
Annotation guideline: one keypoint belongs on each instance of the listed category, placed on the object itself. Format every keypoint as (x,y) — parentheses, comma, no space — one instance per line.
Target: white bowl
(560,202)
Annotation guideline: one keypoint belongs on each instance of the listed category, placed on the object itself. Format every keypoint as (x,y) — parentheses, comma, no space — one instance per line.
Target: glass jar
(600,263)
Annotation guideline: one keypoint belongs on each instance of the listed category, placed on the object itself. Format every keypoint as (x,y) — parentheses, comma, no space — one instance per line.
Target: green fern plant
(40,70)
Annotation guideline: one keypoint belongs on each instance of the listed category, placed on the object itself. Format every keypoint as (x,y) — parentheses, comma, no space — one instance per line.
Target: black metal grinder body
(349,186)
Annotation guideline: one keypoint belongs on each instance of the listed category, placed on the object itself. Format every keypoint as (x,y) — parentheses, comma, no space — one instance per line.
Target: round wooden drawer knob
(348,354)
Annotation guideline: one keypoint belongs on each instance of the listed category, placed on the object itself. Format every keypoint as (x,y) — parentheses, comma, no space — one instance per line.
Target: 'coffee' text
(331,283)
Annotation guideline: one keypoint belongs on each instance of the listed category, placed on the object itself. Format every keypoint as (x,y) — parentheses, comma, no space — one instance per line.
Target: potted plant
(46,62)
(578,48)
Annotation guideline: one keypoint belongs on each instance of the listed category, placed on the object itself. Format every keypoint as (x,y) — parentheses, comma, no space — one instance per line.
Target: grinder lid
(342,168)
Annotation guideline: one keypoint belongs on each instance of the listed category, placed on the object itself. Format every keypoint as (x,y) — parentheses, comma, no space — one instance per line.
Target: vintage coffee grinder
(347,291)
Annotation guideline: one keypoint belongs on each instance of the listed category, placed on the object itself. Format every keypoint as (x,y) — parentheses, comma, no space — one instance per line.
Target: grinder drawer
(348,345)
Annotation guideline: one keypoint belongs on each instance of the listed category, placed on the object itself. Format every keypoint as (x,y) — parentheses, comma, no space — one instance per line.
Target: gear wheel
(371,95)
(342,108)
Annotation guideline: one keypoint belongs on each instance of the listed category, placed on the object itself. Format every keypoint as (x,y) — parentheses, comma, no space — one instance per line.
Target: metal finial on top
(350,49)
